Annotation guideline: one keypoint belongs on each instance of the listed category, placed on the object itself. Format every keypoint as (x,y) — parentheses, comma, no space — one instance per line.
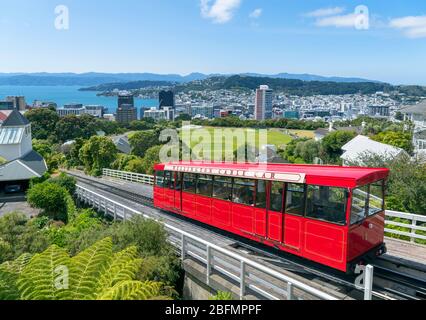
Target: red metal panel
(275,226)
(365,236)
(159,197)
(178,201)
(293,231)
(243,218)
(325,243)
(169,198)
(221,212)
(260,222)
(188,203)
(204,205)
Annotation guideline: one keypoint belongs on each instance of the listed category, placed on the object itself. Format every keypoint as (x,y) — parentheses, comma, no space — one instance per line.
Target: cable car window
(178,185)
(159,179)
(359,204)
(243,191)
(376,202)
(277,190)
(189,182)
(295,199)
(205,185)
(169,179)
(327,204)
(222,188)
(261,194)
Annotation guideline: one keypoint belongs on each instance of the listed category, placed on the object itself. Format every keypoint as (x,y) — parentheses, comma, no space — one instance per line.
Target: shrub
(63,180)
(51,198)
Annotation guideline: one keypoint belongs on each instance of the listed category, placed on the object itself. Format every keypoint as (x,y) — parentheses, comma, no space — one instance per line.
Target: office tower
(166,99)
(126,98)
(263,103)
(126,111)
(6,105)
(169,113)
(18,103)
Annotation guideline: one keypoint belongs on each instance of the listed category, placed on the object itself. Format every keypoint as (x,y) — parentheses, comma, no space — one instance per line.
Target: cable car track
(400,280)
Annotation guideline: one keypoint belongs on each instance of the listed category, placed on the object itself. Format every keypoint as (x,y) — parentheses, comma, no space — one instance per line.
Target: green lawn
(275,137)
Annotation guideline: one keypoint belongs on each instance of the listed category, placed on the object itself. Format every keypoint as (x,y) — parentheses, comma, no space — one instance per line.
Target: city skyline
(218,36)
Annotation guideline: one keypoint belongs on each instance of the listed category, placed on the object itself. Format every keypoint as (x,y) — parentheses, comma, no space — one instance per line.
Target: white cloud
(344,21)
(325,12)
(256,13)
(413,26)
(221,11)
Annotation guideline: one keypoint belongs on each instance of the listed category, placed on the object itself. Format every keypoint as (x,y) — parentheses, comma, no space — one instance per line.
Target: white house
(358,147)
(416,114)
(20,161)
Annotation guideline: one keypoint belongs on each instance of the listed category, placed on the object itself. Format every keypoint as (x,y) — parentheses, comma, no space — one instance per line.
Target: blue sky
(217,36)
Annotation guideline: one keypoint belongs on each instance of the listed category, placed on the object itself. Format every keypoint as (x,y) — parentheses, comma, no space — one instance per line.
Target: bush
(63,180)
(19,235)
(52,199)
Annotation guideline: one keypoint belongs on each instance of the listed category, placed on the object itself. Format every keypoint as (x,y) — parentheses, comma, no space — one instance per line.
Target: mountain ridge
(95,78)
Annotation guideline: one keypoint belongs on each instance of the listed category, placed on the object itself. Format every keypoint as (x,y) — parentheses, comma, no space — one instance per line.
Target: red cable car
(331,215)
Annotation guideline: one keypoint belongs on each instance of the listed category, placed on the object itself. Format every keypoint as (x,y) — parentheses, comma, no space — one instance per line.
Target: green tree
(51,198)
(43,122)
(66,181)
(398,139)
(152,157)
(332,145)
(143,140)
(98,153)
(72,127)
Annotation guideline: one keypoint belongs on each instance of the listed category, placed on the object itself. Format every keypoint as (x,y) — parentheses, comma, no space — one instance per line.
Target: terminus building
(18,161)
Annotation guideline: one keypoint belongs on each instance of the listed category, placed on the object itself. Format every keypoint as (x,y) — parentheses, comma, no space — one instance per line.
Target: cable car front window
(159,179)
(327,204)
(376,200)
(359,204)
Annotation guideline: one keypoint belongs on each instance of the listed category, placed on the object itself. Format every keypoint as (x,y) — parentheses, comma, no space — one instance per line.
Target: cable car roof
(334,176)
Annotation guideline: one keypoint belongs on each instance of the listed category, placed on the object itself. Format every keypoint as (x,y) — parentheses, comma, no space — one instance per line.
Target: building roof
(416,109)
(4,114)
(349,177)
(35,162)
(15,119)
(361,145)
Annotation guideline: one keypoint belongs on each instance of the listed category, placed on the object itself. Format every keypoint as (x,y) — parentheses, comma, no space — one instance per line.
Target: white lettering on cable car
(241,173)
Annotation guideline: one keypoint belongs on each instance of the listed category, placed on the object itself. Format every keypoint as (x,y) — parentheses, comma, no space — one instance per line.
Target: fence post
(243,280)
(368,282)
(289,291)
(209,265)
(183,247)
(413,230)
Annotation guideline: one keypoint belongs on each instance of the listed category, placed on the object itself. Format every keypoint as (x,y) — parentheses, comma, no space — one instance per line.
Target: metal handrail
(118,210)
(129,176)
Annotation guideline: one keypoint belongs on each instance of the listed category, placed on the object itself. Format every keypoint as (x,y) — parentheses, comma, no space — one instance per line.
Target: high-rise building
(18,103)
(126,98)
(166,99)
(6,105)
(263,103)
(126,111)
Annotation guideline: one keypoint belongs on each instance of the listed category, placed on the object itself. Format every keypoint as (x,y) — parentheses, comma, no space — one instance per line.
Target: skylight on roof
(11,135)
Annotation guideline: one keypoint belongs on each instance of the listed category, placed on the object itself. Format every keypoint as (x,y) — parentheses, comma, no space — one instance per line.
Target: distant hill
(94,79)
(133,85)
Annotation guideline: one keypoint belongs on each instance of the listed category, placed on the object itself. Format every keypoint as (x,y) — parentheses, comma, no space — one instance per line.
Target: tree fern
(124,267)
(88,268)
(38,279)
(132,290)
(9,273)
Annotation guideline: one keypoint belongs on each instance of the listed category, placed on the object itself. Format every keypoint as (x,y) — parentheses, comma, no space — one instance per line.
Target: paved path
(21,206)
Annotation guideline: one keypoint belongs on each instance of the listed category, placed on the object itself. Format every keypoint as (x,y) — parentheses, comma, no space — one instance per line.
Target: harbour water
(62,95)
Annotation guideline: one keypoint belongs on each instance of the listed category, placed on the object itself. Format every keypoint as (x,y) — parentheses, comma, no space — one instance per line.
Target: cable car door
(275,223)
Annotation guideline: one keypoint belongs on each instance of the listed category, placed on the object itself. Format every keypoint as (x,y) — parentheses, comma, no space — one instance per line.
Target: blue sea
(62,95)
